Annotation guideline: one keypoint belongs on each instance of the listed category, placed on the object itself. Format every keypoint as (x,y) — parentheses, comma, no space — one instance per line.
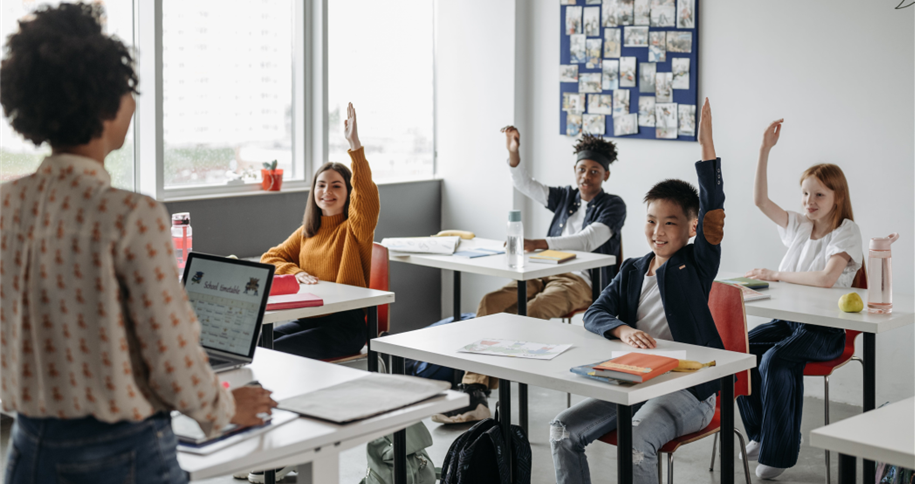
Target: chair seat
(713,427)
(825,368)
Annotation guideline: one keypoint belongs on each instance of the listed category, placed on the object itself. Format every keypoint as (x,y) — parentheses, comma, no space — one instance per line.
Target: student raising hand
(770,138)
(705,133)
(512,143)
(349,128)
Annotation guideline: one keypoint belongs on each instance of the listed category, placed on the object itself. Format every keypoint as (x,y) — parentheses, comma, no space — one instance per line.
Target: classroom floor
(691,462)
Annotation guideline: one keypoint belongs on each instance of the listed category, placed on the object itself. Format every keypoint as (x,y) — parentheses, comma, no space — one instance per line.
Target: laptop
(229,297)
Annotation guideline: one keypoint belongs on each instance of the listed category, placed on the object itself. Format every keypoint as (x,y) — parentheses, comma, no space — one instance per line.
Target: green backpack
(380,456)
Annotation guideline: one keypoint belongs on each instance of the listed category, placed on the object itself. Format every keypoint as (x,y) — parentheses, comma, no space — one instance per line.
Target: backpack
(380,456)
(432,371)
(478,457)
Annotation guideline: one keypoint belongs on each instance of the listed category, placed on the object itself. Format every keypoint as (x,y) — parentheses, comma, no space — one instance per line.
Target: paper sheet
(422,245)
(677,354)
(366,396)
(518,349)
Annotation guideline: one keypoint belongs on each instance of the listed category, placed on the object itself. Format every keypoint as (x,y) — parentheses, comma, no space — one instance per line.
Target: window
(379,57)
(227,93)
(19,157)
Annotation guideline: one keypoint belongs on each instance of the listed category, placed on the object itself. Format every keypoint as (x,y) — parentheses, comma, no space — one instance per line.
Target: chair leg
(826,415)
(382,368)
(743,452)
(660,469)
(670,468)
(568,400)
(711,464)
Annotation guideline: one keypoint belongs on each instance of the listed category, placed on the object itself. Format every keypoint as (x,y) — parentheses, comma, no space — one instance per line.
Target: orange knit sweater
(341,251)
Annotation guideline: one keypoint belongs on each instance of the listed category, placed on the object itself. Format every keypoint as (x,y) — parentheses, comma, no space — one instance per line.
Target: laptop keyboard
(217,362)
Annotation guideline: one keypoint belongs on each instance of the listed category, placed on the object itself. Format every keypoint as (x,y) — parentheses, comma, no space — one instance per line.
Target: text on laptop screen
(226,298)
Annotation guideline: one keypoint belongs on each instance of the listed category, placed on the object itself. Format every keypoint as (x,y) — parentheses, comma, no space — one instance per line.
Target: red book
(636,367)
(293,301)
(284,284)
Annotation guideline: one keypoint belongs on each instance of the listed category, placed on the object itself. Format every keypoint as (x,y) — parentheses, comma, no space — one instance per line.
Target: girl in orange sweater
(333,244)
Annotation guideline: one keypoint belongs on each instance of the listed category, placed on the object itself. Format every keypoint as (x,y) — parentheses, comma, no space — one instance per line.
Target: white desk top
(440,345)
(497,265)
(884,435)
(820,306)
(337,297)
(287,376)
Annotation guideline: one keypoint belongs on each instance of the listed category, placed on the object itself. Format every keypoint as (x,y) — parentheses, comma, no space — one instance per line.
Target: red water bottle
(181,237)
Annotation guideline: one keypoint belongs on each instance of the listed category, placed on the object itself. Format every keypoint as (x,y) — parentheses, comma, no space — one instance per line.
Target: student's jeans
(323,338)
(772,412)
(654,423)
(86,450)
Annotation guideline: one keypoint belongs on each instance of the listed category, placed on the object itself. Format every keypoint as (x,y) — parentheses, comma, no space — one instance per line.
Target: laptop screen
(229,297)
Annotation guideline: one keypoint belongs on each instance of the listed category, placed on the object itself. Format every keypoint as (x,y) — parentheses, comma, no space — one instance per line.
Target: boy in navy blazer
(663,295)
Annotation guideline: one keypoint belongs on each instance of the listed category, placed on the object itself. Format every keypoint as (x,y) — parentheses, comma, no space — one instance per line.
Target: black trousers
(772,412)
(322,338)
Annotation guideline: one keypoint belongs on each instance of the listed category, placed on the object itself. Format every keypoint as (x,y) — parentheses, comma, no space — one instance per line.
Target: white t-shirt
(651,316)
(806,255)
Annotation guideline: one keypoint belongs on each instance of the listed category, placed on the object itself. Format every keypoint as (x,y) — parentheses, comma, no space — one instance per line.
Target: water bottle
(181,237)
(880,275)
(514,247)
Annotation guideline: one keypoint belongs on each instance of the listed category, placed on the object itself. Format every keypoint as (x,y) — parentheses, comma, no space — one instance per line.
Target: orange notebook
(636,367)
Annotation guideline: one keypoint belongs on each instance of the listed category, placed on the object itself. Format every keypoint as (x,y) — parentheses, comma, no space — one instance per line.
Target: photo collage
(631,60)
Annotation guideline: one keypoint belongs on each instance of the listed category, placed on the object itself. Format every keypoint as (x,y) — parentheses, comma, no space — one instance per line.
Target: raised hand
(349,128)
(770,138)
(512,143)
(705,132)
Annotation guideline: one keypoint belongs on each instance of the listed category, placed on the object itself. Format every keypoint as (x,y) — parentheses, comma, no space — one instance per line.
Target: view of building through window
(19,157)
(227,90)
(389,81)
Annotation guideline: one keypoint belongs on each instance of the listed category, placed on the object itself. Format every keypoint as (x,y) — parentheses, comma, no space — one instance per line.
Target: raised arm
(521,180)
(710,226)
(365,204)
(761,186)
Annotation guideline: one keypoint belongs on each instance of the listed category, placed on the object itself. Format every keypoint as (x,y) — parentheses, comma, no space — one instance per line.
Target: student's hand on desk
(635,338)
(763,275)
(306,278)
(249,402)
(705,133)
(531,245)
(349,128)
(512,143)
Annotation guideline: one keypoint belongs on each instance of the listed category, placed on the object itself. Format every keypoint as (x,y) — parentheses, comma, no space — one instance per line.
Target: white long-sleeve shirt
(573,236)
(93,318)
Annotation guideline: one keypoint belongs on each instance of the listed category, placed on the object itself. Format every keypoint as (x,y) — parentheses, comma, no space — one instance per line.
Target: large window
(379,56)
(227,95)
(19,157)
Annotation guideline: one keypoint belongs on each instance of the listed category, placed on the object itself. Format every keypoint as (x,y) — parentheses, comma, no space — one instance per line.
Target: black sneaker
(476,411)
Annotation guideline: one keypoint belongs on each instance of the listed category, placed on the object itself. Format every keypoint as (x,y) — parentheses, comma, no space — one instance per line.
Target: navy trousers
(322,338)
(772,412)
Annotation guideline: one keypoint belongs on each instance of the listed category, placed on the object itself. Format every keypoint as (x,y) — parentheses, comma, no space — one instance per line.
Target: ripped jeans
(654,423)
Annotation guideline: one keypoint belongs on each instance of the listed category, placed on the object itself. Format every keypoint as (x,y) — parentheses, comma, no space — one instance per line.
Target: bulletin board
(600,39)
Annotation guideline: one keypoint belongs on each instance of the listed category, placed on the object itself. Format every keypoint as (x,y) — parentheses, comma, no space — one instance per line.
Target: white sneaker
(241,475)
(475,415)
(768,472)
(257,477)
(752,451)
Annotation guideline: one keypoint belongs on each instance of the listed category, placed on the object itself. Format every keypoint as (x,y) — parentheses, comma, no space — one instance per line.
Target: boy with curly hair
(586,218)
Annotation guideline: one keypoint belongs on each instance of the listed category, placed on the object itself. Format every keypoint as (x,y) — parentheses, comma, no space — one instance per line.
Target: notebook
(192,440)
(635,367)
(551,257)
(474,253)
(745,282)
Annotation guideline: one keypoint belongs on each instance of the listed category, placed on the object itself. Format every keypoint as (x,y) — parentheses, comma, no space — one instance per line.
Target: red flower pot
(271,180)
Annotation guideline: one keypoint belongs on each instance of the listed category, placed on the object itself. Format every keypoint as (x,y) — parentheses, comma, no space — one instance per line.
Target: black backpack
(478,457)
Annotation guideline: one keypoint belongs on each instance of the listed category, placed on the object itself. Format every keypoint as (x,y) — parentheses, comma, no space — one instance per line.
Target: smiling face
(819,201)
(330,192)
(667,228)
(590,176)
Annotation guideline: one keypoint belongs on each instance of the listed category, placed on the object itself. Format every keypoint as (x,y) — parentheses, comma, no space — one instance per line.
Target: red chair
(726,305)
(379,279)
(825,368)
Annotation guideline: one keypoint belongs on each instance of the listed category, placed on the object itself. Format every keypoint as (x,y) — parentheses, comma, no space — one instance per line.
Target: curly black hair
(679,192)
(590,142)
(61,76)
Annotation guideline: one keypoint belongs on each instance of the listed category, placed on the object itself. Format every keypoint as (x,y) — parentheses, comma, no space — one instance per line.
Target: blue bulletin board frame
(680,96)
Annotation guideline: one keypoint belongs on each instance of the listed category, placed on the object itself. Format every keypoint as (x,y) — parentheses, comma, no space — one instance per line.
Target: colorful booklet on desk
(631,367)
(518,349)
(474,253)
(551,257)
(745,282)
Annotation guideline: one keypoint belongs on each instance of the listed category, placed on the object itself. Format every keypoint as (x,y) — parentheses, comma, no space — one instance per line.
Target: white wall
(839,72)
(474,97)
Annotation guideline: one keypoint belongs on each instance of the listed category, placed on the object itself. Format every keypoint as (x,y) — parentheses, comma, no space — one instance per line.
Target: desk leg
(727,429)
(457,296)
(870,395)
(270,477)
(522,387)
(505,418)
(624,444)
(400,437)
(372,333)
(267,336)
(847,464)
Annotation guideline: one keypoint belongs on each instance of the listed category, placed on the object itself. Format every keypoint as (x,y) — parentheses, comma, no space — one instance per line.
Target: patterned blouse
(93,318)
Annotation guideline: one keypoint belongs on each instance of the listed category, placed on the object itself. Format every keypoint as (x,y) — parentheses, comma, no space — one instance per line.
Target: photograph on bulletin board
(629,68)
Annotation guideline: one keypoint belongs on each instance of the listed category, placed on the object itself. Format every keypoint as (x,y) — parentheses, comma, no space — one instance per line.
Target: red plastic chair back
(381,280)
(726,304)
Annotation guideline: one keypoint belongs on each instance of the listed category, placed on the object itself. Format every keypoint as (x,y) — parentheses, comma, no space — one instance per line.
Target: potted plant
(271,177)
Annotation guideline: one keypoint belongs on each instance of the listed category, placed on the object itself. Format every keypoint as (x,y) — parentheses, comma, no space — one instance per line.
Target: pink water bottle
(880,275)
(181,237)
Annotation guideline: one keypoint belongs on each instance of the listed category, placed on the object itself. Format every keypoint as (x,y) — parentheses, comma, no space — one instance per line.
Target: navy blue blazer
(605,208)
(684,281)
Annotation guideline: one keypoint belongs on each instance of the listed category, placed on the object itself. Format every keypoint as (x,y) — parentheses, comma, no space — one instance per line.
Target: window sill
(294,186)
